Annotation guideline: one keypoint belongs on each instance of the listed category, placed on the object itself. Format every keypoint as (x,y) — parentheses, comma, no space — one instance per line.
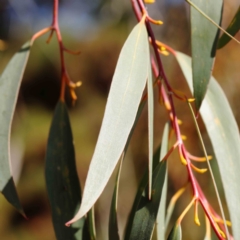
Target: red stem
(139,9)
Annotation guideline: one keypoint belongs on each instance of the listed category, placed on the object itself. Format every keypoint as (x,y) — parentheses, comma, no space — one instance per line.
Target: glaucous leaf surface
(160,226)
(10,81)
(224,135)
(204,37)
(123,101)
(150,126)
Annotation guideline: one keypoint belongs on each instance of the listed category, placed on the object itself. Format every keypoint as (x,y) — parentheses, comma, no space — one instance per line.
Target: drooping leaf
(150,127)
(124,97)
(61,176)
(232,29)
(144,211)
(204,37)
(176,233)
(141,190)
(224,135)
(10,81)
(113,223)
(161,226)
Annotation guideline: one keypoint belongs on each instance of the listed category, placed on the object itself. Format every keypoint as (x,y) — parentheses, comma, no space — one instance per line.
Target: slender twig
(167,97)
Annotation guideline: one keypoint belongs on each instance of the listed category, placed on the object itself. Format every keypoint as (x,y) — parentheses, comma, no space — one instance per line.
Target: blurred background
(98,28)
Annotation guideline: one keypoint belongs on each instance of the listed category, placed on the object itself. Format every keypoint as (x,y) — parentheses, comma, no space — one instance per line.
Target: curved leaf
(124,97)
(150,127)
(144,211)
(141,190)
(232,29)
(161,226)
(203,38)
(61,175)
(9,87)
(224,135)
(176,233)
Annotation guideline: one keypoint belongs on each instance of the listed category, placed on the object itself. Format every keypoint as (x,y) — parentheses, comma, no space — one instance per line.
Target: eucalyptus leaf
(143,215)
(161,224)
(204,37)
(10,81)
(124,97)
(150,127)
(232,29)
(62,182)
(223,131)
(141,190)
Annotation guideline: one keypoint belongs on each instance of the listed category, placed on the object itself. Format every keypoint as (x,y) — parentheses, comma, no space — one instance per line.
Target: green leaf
(176,233)
(161,226)
(61,175)
(224,135)
(141,190)
(10,81)
(232,29)
(113,223)
(124,97)
(150,126)
(144,211)
(204,37)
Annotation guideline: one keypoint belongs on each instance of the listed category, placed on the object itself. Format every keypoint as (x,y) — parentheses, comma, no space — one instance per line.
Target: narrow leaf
(232,29)
(161,227)
(124,97)
(144,212)
(61,175)
(141,190)
(224,135)
(113,223)
(176,233)
(10,81)
(203,39)
(150,127)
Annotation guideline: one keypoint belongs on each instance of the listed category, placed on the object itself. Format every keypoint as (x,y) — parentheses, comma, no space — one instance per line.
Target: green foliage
(61,176)
(204,38)
(9,87)
(137,68)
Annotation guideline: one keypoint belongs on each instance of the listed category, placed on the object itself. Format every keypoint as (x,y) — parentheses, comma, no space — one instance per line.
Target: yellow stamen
(218,220)
(199,170)
(184,137)
(149,1)
(183,160)
(191,100)
(220,231)
(196,219)
(179,122)
(203,170)
(165,53)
